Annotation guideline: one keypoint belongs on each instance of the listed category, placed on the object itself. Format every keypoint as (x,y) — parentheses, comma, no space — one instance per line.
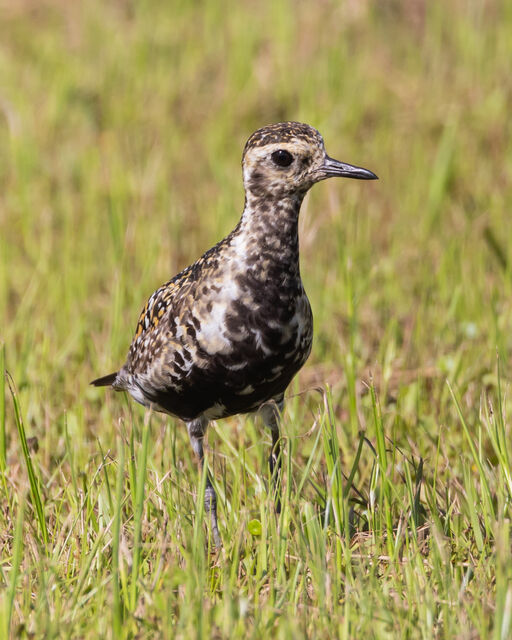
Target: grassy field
(121,131)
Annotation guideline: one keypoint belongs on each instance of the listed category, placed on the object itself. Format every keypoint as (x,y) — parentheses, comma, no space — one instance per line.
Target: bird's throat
(271,231)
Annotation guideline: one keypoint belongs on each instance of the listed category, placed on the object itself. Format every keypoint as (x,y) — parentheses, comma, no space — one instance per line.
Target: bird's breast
(251,317)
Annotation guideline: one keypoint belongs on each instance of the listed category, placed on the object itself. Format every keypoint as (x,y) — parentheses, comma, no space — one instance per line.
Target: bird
(226,335)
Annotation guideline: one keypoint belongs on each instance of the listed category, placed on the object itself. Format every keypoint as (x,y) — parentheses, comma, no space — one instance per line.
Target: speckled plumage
(228,333)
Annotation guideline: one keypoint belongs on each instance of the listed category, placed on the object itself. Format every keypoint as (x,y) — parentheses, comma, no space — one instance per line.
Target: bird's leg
(271,414)
(196,430)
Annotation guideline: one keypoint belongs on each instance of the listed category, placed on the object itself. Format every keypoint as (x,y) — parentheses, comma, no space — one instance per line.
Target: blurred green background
(121,131)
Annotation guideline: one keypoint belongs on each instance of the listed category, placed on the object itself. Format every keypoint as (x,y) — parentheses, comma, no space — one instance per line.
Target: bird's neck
(270,229)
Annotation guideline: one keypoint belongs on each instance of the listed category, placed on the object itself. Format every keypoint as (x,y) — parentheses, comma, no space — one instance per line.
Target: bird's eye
(282,158)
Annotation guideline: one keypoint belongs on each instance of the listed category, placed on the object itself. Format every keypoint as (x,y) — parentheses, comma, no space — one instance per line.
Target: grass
(121,130)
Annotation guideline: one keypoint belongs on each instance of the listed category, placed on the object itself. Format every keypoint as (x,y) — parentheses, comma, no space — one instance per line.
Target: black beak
(334,168)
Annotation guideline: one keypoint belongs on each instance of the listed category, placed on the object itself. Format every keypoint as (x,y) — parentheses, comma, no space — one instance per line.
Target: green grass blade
(15,568)
(34,484)
(334,498)
(489,510)
(139,508)
(382,459)
(355,465)
(117,614)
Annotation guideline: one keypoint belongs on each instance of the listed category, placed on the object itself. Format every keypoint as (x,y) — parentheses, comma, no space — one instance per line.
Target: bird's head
(288,158)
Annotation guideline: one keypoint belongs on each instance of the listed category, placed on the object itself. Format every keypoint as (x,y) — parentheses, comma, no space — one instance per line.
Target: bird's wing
(154,309)
(165,297)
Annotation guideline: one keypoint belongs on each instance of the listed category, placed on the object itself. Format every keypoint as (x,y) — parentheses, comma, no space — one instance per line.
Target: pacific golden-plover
(228,333)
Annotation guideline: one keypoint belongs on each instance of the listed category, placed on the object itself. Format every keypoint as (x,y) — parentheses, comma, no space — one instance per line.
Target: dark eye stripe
(282,158)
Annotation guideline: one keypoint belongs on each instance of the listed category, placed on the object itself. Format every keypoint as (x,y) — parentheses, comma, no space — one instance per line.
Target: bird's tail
(105,381)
